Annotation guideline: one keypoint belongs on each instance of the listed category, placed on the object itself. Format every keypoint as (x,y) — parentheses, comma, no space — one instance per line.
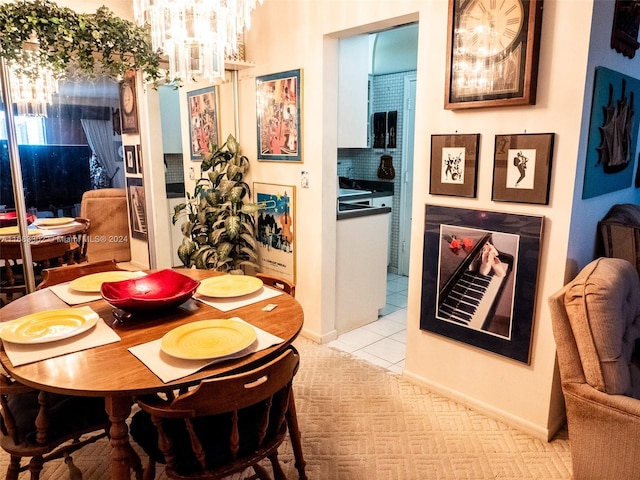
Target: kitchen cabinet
(354,111)
(361,269)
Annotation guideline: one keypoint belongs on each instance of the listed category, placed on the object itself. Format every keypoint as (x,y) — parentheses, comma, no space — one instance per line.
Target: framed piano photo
(479,277)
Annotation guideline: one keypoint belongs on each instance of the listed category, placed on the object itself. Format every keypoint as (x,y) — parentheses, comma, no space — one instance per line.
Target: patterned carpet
(360,422)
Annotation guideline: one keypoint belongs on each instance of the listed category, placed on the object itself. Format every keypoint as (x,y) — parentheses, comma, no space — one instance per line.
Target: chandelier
(32,90)
(196,35)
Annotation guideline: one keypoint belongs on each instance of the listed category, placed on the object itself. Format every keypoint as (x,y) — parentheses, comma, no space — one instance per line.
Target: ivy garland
(68,42)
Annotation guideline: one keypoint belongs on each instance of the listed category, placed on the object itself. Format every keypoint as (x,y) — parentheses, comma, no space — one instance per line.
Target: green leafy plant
(219,226)
(73,44)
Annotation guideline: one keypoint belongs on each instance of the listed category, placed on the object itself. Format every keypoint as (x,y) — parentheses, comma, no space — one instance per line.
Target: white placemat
(21,354)
(169,368)
(227,304)
(73,297)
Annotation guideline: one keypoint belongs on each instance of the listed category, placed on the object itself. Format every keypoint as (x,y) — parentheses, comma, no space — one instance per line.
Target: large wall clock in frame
(493,49)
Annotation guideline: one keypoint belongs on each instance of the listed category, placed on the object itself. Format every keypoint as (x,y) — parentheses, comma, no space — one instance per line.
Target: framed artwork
(492,53)
(128,103)
(278,108)
(139,158)
(626,24)
(137,208)
(522,168)
(203,121)
(613,133)
(130,160)
(454,165)
(479,278)
(276,229)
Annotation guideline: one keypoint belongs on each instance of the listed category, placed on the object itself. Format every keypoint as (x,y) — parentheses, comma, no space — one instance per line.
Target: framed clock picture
(492,53)
(128,104)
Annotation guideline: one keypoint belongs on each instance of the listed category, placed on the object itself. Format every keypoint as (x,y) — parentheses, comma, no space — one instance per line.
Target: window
(29,130)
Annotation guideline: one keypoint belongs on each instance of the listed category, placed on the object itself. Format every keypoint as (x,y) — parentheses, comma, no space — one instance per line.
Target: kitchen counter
(355,210)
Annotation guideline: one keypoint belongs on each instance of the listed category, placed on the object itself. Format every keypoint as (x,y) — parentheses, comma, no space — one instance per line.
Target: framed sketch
(492,53)
(276,229)
(128,103)
(137,208)
(203,121)
(613,133)
(522,168)
(139,158)
(497,254)
(454,162)
(130,160)
(278,108)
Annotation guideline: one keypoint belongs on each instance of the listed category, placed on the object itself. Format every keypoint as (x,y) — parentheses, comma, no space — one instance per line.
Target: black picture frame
(137,208)
(522,168)
(453,242)
(454,164)
(130,160)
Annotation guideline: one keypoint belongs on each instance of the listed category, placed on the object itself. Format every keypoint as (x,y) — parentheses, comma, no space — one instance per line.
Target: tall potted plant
(219,226)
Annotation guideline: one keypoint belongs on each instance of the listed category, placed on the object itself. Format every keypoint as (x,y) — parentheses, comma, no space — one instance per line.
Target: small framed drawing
(137,208)
(276,229)
(203,121)
(454,162)
(522,168)
(131,162)
(479,278)
(278,108)
(128,103)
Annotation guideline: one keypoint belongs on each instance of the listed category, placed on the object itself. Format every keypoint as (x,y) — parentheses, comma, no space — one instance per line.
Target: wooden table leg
(119,409)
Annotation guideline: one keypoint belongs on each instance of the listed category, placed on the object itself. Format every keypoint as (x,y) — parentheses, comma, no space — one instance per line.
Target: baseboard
(321,339)
(541,433)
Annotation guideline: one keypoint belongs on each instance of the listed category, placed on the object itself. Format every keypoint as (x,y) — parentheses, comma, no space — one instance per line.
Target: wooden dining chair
(279,283)
(66,273)
(223,425)
(78,242)
(44,426)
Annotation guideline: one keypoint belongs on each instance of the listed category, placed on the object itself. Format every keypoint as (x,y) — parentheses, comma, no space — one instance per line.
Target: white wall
(293,34)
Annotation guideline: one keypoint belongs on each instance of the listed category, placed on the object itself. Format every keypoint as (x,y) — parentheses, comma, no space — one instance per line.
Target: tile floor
(382,342)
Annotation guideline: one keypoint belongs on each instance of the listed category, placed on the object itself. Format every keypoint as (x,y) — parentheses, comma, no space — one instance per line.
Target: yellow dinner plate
(14,231)
(208,339)
(226,286)
(50,222)
(92,283)
(48,326)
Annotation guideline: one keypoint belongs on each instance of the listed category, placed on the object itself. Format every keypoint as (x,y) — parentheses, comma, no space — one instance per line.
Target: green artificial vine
(39,33)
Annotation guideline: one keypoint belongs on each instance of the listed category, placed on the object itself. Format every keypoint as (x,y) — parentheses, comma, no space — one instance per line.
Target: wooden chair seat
(224,425)
(45,426)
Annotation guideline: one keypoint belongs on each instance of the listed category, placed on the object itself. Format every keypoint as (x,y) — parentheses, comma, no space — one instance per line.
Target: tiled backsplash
(174,172)
(362,163)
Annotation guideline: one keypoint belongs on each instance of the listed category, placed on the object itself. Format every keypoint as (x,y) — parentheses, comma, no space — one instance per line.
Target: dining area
(175,345)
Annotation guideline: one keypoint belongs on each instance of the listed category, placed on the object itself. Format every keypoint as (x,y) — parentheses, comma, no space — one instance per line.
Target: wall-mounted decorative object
(137,208)
(278,110)
(522,168)
(385,169)
(139,157)
(626,24)
(613,133)
(454,164)
(276,229)
(392,126)
(203,121)
(116,122)
(497,254)
(492,53)
(128,103)
(379,129)
(130,160)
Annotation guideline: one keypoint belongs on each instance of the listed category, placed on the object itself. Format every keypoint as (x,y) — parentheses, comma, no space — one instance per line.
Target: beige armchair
(596,325)
(108,236)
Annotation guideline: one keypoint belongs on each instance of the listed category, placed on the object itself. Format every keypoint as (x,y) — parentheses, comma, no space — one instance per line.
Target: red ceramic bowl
(9,219)
(161,290)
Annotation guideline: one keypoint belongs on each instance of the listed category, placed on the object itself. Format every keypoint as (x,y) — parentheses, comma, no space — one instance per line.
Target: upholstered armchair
(108,236)
(596,325)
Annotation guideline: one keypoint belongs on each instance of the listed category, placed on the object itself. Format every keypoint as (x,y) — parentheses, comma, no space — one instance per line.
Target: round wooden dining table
(112,372)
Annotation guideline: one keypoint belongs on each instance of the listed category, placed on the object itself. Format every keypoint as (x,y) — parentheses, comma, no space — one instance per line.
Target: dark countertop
(350,210)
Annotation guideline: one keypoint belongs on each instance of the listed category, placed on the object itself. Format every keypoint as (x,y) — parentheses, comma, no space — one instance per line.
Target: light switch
(304,179)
